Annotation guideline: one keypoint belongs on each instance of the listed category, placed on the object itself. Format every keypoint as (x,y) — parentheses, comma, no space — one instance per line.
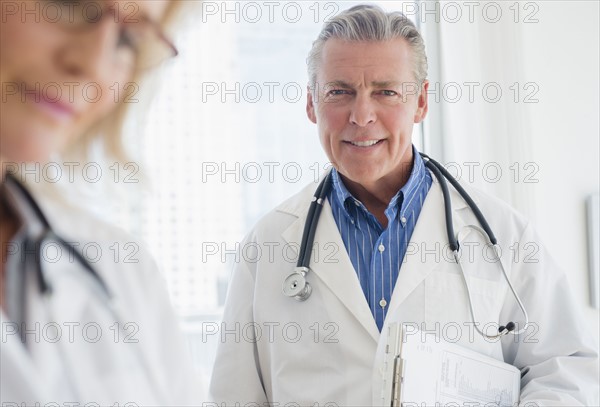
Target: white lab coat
(77,351)
(328,349)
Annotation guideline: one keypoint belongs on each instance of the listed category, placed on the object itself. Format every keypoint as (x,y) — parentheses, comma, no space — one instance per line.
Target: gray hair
(370,23)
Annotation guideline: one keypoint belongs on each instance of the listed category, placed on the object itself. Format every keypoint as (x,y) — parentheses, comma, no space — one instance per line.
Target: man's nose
(90,55)
(363,111)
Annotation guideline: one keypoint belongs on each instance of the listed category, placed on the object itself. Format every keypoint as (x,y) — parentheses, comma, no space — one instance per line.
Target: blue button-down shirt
(377,254)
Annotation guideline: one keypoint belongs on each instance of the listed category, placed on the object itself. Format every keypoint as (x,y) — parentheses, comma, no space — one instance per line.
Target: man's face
(365,104)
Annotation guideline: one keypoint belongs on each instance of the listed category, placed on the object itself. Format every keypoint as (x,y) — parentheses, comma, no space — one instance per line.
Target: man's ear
(310,105)
(422,103)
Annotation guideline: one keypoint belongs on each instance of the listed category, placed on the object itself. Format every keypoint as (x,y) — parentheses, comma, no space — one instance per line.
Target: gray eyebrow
(339,84)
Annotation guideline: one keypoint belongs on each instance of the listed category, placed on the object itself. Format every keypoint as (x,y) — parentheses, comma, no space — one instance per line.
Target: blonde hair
(109,130)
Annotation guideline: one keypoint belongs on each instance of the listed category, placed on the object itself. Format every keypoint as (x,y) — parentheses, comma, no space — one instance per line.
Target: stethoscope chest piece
(296,286)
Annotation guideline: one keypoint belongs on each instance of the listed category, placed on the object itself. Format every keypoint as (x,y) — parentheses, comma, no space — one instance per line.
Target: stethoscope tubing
(49,234)
(447,176)
(310,228)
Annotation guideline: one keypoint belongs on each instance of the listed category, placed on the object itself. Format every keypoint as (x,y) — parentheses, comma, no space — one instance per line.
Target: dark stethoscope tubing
(442,175)
(314,212)
(49,234)
(297,287)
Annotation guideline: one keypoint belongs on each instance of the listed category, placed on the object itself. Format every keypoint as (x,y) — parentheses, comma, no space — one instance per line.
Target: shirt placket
(379,301)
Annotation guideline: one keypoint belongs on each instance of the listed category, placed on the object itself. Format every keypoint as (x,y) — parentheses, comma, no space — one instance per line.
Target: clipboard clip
(393,366)
(397,379)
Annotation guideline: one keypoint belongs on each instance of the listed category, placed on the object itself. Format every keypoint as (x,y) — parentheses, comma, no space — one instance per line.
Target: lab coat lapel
(334,267)
(427,249)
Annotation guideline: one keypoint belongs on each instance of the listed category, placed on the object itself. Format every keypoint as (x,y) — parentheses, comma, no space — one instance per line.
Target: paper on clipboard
(423,370)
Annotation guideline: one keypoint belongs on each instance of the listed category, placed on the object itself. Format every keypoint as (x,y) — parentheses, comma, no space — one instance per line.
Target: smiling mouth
(57,110)
(367,143)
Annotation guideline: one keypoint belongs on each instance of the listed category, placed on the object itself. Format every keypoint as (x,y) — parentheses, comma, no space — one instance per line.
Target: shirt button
(383,303)
(352,221)
(381,248)
(403,220)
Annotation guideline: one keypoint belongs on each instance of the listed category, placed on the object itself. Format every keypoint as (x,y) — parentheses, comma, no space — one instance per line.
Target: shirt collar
(404,195)
(339,189)
(411,189)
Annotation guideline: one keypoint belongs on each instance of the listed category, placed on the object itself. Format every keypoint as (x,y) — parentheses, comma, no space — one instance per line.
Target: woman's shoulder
(70,219)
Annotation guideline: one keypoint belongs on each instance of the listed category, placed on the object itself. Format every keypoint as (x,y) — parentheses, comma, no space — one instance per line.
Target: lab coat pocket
(447,304)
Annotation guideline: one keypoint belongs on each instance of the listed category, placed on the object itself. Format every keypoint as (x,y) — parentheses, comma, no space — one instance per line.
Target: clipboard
(422,369)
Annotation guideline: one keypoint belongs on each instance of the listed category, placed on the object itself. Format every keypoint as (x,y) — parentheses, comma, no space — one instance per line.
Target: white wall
(563,57)
(557,136)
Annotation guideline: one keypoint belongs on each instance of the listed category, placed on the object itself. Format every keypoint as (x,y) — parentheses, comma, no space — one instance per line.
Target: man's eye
(337,92)
(389,93)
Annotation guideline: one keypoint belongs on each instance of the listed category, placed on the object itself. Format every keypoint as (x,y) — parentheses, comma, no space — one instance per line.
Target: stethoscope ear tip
(508,328)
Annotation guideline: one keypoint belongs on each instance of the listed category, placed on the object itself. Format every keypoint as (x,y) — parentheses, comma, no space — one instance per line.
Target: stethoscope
(49,234)
(102,290)
(296,286)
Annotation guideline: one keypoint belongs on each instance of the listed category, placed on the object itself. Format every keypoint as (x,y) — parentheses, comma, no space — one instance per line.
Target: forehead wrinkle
(366,64)
(375,84)
(384,84)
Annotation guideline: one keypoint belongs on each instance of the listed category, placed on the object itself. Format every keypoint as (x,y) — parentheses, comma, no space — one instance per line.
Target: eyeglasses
(141,44)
